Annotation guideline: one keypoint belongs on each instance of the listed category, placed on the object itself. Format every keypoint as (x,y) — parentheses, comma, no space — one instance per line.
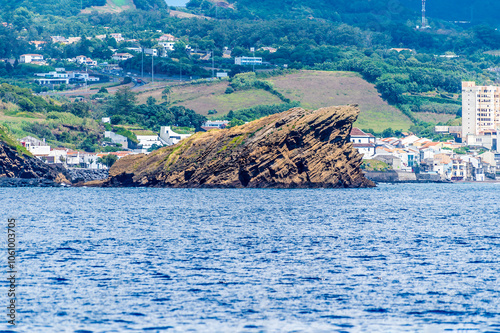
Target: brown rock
(293,149)
(14,165)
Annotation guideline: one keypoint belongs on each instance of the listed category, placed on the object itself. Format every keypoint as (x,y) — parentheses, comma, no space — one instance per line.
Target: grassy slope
(112,6)
(314,89)
(203,98)
(66,122)
(434,117)
(6,137)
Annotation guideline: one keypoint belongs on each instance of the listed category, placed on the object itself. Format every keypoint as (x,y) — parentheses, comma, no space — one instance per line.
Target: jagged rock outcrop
(293,149)
(23,170)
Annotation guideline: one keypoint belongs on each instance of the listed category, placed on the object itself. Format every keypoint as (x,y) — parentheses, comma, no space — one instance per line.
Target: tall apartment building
(480,115)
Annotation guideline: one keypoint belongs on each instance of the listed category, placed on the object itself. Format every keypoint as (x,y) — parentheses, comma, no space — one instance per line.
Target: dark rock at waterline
(293,149)
(22,170)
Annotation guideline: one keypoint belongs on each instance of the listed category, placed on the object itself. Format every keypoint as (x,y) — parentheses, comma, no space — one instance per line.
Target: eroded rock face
(293,149)
(15,166)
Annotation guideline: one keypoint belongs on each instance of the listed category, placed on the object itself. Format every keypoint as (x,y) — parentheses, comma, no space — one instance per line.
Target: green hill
(313,89)
(19,11)
(375,13)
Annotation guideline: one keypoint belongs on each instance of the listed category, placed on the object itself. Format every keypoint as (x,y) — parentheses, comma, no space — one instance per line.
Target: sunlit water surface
(397,258)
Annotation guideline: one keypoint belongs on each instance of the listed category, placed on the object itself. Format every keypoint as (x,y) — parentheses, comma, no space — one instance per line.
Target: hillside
(203,98)
(313,89)
(477,12)
(375,13)
(111,6)
(24,9)
(316,89)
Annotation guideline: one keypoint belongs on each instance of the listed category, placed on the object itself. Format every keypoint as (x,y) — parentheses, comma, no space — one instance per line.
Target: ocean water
(397,258)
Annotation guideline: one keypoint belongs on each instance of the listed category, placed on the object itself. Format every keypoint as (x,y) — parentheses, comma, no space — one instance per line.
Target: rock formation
(23,170)
(293,149)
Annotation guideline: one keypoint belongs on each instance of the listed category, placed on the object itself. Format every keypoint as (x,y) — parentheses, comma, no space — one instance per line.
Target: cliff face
(17,170)
(293,149)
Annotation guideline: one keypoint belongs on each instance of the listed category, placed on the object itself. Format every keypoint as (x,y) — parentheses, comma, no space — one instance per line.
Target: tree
(108,160)
(151,101)
(387,133)
(123,103)
(154,147)
(165,94)
(79,109)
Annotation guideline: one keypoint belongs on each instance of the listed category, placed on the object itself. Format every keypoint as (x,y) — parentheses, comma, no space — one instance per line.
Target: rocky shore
(18,170)
(294,149)
(23,170)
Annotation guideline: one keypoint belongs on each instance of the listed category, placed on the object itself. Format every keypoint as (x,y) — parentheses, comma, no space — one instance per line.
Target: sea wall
(401,177)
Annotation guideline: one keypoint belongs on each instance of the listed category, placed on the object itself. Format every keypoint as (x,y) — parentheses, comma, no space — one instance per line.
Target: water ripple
(397,258)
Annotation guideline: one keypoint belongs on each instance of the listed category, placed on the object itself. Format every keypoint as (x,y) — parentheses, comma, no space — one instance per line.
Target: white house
(170,137)
(117,138)
(29,58)
(166,38)
(85,60)
(248,61)
(167,45)
(147,141)
(121,56)
(363,142)
(58,39)
(56,77)
(153,52)
(82,77)
(216,123)
(118,37)
(35,146)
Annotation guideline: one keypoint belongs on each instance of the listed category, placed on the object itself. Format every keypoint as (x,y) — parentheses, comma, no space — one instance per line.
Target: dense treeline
(245,115)
(167,66)
(329,35)
(24,98)
(243,32)
(123,109)
(10,43)
(17,10)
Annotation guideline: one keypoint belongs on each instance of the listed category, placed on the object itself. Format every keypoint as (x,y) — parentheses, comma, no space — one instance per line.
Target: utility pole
(253,60)
(152,67)
(424,19)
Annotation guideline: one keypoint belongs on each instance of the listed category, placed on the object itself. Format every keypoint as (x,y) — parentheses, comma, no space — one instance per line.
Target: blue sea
(396,258)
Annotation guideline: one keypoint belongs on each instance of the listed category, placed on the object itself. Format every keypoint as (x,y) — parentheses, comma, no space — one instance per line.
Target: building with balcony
(480,115)
(245,61)
(29,58)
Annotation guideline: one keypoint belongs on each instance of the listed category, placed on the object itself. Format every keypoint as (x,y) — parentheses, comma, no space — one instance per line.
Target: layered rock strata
(294,149)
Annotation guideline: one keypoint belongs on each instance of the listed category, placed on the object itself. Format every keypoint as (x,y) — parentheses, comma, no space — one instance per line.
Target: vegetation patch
(11,142)
(374,165)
